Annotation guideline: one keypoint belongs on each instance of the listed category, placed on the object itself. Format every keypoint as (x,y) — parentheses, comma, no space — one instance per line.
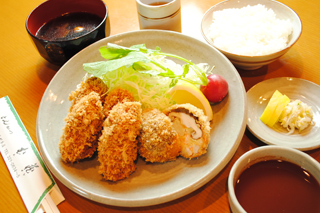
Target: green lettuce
(141,59)
(146,73)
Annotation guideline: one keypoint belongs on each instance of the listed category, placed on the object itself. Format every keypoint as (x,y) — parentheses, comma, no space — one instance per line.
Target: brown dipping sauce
(68,26)
(277,186)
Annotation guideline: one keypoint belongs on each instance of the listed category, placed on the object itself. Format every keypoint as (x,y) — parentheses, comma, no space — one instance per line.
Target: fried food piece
(82,130)
(116,96)
(158,141)
(117,148)
(193,129)
(91,84)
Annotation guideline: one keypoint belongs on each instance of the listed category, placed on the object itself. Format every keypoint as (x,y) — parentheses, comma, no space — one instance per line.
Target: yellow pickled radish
(280,107)
(271,107)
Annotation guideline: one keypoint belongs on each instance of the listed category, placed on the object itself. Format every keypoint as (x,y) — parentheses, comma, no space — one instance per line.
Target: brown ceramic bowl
(58,52)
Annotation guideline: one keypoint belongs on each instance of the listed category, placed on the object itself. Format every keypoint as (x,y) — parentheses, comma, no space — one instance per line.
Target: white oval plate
(295,88)
(155,183)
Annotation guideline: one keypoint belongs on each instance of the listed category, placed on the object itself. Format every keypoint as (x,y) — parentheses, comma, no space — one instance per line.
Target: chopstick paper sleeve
(32,178)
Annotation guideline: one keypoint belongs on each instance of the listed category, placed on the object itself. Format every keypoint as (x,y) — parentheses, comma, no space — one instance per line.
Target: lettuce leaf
(143,60)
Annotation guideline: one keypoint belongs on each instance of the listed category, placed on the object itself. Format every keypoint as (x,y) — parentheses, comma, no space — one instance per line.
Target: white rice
(251,30)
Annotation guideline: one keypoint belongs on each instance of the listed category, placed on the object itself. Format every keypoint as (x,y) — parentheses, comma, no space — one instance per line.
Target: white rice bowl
(251,30)
(262,32)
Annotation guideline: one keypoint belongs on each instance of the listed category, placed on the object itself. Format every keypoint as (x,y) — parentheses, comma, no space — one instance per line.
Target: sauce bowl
(58,52)
(271,152)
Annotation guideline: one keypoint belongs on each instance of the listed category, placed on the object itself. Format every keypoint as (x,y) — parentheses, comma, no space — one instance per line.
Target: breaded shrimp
(117,148)
(82,129)
(193,129)
(158,141)
(91,84)
(116,96)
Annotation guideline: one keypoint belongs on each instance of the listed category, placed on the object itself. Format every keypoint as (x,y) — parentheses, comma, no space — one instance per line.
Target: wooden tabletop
(25,76)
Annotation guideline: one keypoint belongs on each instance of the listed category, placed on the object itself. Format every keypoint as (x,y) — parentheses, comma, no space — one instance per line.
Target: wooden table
(25,76)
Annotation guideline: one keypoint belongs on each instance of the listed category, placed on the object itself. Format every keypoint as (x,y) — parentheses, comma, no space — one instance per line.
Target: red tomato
(216,89)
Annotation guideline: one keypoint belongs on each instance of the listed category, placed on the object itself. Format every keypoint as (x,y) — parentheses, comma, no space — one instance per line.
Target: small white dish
(295,88)
(264,153)
(150,184)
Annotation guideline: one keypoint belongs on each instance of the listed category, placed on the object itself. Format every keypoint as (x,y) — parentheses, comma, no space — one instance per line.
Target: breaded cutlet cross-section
(117,150)
(158,141)
(92,84)
(82,129)
(190,147)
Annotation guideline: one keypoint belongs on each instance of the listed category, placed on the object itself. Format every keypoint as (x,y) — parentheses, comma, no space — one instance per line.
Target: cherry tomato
(216,89)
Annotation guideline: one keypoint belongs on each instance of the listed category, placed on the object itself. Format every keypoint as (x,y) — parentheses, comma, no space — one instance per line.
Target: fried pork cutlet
(91,84)
(193,128)
(158,141)
(117,148)
(116,96)
(82,129)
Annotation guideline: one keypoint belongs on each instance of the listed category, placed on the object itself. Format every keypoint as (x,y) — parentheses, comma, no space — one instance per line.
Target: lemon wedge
(184,92)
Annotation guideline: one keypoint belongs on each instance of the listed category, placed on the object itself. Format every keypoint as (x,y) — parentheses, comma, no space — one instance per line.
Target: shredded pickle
(296,115)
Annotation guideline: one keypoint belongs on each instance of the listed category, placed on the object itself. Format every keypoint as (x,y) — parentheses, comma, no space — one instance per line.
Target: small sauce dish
(274,179)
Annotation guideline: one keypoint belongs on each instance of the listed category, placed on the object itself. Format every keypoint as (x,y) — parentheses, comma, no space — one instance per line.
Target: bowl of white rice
(251,33)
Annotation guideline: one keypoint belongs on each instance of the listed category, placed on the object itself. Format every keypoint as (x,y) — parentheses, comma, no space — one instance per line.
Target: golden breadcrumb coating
(82,129)
(91,84)
(117,148)
(158,141)
(116,96)
(190,147)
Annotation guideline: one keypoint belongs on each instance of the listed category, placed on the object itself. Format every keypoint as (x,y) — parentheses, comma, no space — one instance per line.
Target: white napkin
(36,186)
